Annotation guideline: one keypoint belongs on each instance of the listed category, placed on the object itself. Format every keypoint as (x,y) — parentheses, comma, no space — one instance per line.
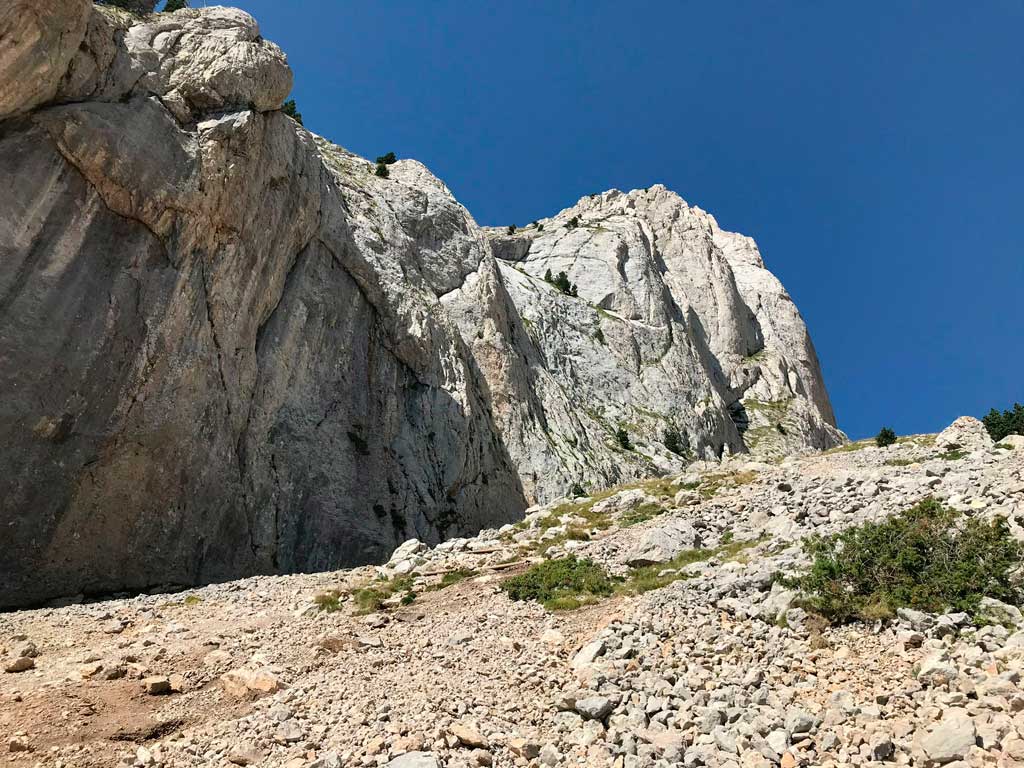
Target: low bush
(885,437)
(561,282)
(382,170)
(1011,422)
(511,229)
(387,159)
(371,598)
(622,438)
(176,5)
(328,602)
(560,583)
(929,558)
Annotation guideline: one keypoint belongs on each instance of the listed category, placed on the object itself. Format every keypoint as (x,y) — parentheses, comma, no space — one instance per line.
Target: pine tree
(288,107)
(885,437)
(672,441)
(177,5)
(1010,422)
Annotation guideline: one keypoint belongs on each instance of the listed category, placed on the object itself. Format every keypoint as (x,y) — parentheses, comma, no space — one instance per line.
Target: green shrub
(885,437)
(387,159)
(382,170)
(561,282)
(288,107)
(929,557)
(547,276)
(559,584)
(511,229)
(371,598)
(622,438)
(577,490)
(1011,422)
(328,602)
(573,222)
(673,441)
(175,5)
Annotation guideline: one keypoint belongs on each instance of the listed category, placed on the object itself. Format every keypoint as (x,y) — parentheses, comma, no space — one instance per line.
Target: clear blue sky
(875,150)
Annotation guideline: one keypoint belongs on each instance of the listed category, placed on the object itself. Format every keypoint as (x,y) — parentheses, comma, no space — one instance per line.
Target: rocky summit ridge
(229,347)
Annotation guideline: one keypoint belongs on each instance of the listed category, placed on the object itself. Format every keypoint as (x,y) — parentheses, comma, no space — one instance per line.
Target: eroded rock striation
(228,347)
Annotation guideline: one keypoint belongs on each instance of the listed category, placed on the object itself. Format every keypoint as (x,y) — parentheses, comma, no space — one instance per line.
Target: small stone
(594,707)
(156,686)
(524,748)
(468,737)
(240,683)
(951,738)
(414,760)
(20,664)
(549,755)
(288,732)
(18,744)
(90,670)
(587,654)
(245,754)
(798,721)
(27,648)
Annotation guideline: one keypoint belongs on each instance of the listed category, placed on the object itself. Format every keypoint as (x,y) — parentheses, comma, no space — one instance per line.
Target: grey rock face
(227,347)
(213,364)
(677,326)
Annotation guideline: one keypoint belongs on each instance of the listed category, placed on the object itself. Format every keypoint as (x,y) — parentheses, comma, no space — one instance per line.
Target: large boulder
(38,39)
(966,433)
(663,543)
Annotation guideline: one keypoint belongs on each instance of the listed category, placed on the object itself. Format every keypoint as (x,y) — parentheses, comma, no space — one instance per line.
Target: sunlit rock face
(227,346)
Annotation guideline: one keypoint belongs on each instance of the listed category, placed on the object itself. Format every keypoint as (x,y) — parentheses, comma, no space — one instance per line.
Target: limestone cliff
(227,347)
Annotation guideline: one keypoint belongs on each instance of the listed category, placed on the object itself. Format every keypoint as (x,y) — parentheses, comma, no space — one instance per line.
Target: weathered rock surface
(676,325)
(228,347)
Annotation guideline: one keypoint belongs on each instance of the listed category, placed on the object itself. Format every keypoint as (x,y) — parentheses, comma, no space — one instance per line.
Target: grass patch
(900,462)
(453,577)
(711,484)
(371,598)
(860,445)
(929,557)
(649,577)
(328,602)
(570,583)
(953,455)
(640,514)
(561,584)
